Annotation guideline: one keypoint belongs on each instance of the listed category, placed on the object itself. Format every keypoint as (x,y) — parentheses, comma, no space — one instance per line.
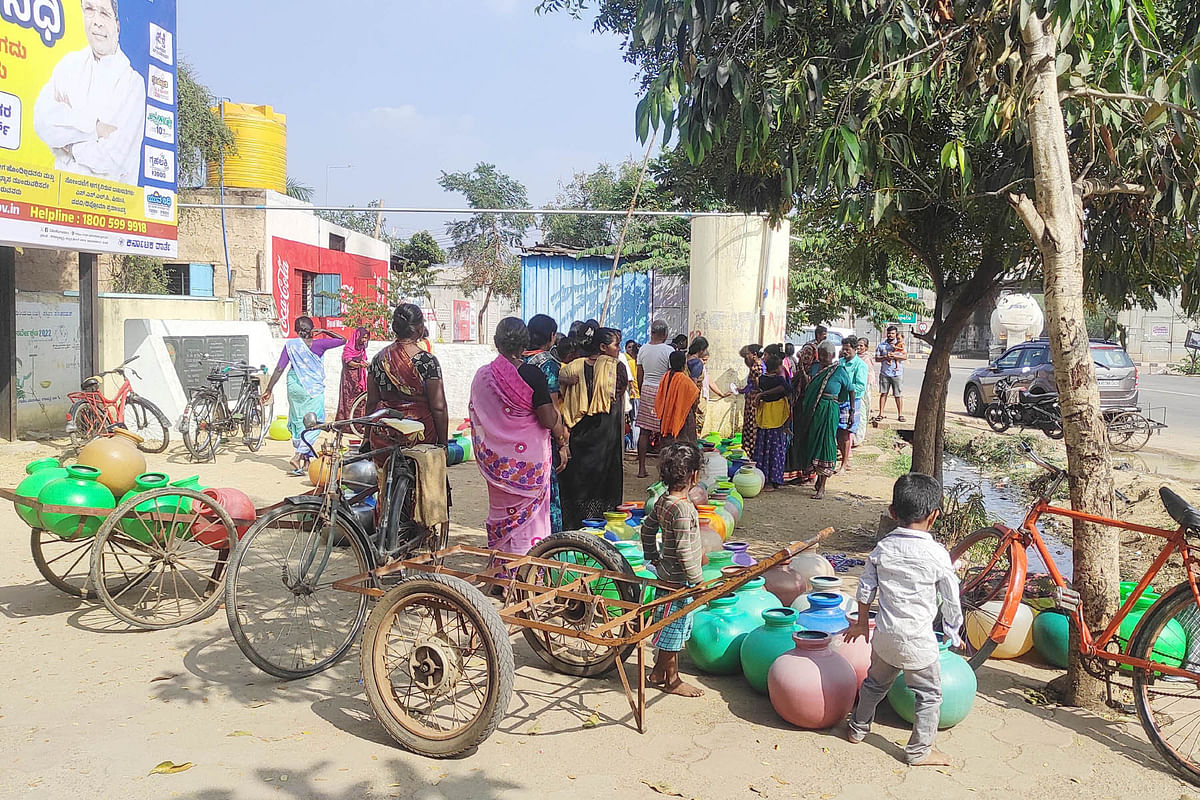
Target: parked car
(1116,374)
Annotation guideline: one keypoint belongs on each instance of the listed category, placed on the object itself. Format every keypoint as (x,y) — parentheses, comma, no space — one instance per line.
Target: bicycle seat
(1180,510)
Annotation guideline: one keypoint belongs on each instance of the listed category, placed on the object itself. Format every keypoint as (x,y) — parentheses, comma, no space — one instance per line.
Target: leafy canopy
(661,244)
(485,244)
(203,135)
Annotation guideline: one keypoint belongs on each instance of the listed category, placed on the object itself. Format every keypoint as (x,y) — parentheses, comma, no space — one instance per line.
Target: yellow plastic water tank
(261,158)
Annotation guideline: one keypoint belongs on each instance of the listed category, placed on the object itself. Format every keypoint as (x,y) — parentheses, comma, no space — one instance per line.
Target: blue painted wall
(573,288)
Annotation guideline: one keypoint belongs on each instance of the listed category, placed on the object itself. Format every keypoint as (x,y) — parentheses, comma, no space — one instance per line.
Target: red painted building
(306,281)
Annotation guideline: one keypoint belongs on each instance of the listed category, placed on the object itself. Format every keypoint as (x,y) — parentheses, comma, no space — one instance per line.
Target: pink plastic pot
(784,583)
(858,652)
(811,686)
(208,530)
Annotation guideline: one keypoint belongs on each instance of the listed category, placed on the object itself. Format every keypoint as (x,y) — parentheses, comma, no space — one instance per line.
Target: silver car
(1116,375)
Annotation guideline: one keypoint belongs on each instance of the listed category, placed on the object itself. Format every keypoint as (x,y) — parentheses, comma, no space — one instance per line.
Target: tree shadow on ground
(1007,691)
(403,780)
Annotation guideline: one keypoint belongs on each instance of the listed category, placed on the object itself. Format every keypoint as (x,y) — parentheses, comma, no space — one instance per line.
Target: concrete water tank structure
(1017,318)
(260,161)
(737,295)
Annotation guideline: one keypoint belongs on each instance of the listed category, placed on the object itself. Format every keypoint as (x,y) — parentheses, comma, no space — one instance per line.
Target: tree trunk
(480,334)
(929,427)
(1056,221)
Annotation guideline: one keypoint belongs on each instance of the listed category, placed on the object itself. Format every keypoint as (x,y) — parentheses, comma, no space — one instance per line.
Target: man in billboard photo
(92,110)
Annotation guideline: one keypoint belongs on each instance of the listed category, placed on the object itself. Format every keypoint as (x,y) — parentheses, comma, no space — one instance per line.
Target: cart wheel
(64,563)
(171,578)
(437,665)
(563,653)
(1128,432)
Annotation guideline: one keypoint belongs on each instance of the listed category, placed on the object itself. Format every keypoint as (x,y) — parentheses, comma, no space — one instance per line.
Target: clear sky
(403,89)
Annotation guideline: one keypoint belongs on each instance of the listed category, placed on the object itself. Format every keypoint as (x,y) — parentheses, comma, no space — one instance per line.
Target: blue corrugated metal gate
(569,288)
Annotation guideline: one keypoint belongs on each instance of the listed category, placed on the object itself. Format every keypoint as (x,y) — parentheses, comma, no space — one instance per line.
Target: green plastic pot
(766,643)
(1052,637)
(79,488)
(752,596)
(717,561)
(718,629)
(38,473)
(958,689)
(147,530)
(1170,647)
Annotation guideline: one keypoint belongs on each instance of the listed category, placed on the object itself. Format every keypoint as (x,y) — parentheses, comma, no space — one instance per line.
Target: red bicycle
(1161,657)
(92,414)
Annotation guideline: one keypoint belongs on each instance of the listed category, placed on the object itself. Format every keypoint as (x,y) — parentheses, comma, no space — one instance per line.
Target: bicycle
(92,414)
(279,598)
(208,419)
(991,565)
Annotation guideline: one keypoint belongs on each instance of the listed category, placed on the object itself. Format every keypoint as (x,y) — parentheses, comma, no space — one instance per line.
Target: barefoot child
(679,561)
(911,576)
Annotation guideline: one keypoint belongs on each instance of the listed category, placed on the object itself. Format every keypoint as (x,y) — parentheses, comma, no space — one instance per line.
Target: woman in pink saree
(354,372)
(513,419)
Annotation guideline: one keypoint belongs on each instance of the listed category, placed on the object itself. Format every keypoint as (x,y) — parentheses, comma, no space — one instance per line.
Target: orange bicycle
(992,564)
(92,414)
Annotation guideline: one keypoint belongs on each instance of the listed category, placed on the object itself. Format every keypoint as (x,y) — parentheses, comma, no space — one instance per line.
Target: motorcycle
(1012,405)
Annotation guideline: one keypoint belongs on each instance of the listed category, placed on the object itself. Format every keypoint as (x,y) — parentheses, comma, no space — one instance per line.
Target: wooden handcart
(155,561)
(436,656)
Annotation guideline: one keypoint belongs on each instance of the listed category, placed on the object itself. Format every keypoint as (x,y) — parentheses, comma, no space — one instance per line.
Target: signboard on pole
(909,318)
(88,137)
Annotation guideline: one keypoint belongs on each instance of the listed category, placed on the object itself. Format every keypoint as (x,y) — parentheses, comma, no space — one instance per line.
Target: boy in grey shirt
(911,576)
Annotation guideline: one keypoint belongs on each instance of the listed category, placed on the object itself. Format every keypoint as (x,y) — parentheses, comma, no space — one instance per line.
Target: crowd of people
(554,413)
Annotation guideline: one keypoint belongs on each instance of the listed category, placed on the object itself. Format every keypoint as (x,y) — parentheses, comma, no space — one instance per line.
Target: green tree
(485,244)
(203,136)
(298,190)
(1094,103)
(661,244)
(832,271)
(139,275)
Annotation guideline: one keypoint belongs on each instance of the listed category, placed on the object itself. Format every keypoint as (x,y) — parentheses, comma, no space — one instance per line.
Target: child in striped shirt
(678,562)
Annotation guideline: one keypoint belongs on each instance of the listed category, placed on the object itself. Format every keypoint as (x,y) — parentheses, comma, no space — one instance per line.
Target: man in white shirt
(912,577)
(653,361)
(92,111)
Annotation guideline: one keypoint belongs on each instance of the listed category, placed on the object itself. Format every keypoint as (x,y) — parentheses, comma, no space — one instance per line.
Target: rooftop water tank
(260,161)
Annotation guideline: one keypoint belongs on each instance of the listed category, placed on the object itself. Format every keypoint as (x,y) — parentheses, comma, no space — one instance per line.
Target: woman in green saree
(831,387)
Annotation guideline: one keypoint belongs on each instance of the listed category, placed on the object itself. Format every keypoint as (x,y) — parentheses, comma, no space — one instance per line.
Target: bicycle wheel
(172,578)
(997,417)
(147,421)
(254,429)
(984,564)
(279,598)
(567,654)
(1128,432)
(437,665)
(84,423)
(359,409)
(200,435)
(1169,706)
(66,564)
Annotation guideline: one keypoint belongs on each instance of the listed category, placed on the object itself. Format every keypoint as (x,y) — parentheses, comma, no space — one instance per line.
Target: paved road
(1179,395)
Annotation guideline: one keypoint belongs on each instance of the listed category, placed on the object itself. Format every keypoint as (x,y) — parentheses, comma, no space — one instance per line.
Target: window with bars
(319,295)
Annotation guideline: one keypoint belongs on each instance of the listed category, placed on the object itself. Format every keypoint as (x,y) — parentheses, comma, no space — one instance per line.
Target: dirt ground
(88,708)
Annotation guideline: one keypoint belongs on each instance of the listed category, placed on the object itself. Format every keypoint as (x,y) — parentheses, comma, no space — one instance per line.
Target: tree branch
(1089,188)
(1100,94)
(1029,215)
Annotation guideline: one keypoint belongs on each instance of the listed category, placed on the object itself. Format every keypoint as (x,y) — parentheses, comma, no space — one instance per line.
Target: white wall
(158,380)
(459,365)
(304,226)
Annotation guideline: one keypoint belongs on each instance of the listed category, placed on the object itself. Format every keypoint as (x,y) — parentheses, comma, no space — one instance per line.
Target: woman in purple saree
(513,419)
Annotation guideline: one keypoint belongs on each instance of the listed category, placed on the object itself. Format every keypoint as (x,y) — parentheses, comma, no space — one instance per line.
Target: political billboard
(88,125)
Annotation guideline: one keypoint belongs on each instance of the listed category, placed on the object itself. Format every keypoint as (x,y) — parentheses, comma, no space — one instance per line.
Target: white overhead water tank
(1017,318)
